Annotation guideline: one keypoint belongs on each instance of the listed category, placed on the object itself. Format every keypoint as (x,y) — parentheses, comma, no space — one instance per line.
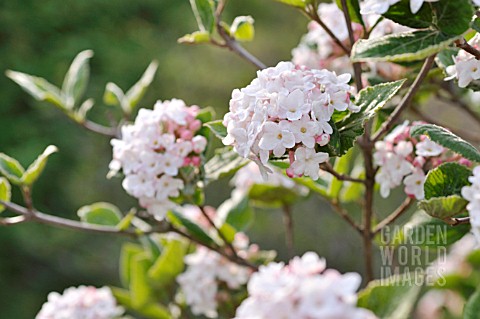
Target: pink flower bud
(196,161)
(186,134)
(323,139)
(464,161)
(195,125)
(187,161)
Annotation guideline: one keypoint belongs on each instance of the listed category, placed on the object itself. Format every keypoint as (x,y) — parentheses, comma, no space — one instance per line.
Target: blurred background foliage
(41,37)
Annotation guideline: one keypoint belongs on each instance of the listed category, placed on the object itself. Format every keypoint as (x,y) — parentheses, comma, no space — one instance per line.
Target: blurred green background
(41,37)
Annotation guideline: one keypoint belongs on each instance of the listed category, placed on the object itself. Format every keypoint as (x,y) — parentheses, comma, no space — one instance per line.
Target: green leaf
(350,127)
(140,289)
(224,163)
(265,195)
(129,250)
(178,219)
(11,169)
(36,168)
(38,88)
(217,128)
(101,213)
(476,24)
(472,308)
(206,115)
(138,90)
(405,46)
(204,14)
(440,233)
(443,207)
(150,310)
(451,17)
(196,37)
(295,3)
(237,212)
(170,263)
(391,298)
(319,186)
(353,9)
(76,79)
(447,139)
(445,180)
(242,28)
(113,95)
(126,221)
(5,192)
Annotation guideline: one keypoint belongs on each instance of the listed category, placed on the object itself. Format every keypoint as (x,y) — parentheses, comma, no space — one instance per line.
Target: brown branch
(311,12)
(393,216)
(357,68)
(289,233)
(219,232)
(463,44)
(42,218)
(341,177)
(233,258)
(458,221)
(230,43)
(406,101)
(344,214)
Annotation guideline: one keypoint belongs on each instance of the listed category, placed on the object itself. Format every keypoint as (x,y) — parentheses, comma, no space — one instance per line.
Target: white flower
(428,148)
(303,289)
(465,68)
(304,131)
(152,151)
(376,6)
(276,137)
(472,194)
(206,269)
(285,108)
(307,162)
(81,303)
(414,184)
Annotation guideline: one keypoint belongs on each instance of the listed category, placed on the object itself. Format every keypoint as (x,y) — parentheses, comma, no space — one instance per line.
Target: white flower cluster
(206,269)
(382,6)
(81,303)
(317,49)
(472,194)
(403,158)
(466,67)
(286,109)
(303,289)
(153,150)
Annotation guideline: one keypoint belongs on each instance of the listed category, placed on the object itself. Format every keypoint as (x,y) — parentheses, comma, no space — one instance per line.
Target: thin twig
(393,216)
(463,44)
(42,218)
(458,221)
(236,259)
(230,42)
(357,68)
(100,129)
(341,177)
(219,232)
(406,101)
(289,233)
(344,214)
(311,12)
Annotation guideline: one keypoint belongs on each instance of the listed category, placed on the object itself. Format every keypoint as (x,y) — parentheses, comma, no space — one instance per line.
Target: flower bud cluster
(286,110)
(207,270)
(81,303)
(402,158)
(154,149)
(303,289)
